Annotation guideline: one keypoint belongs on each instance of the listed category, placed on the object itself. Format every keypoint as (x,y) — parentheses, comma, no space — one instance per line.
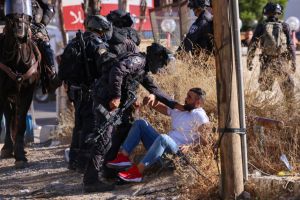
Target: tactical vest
(71,69)
(273,39)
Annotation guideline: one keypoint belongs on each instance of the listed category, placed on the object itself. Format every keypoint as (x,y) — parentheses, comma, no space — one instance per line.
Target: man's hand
(185,149)
(149,100)
(137,105)
(114,103)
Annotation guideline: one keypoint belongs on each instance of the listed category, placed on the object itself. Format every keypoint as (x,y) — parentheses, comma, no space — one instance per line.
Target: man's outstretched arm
(153,103)
(157,94)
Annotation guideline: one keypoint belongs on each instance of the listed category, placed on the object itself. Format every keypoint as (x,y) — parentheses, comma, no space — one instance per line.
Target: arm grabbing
(153,103)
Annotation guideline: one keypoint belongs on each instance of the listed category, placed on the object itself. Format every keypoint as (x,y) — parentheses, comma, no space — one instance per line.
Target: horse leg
(22,109)
(7,149)
(19,153)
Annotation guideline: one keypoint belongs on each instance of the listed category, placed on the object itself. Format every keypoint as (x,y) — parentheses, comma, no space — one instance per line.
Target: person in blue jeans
(186,130)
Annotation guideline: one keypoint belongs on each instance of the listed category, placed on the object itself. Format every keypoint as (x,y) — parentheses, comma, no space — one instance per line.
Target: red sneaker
(121,161)
(131,175)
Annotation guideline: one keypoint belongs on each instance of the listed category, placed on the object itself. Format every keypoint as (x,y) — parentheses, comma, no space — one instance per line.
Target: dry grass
(65,125)
(190,72)
(176,80)
(265,150)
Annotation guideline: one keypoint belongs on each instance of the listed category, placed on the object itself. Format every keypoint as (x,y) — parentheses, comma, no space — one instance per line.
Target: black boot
(83,159)
(72,165)
(108,173)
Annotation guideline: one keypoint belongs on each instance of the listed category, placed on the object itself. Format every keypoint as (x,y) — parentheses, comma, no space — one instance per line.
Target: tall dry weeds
(176,80)
(266,145)
(65,125)
(263,150)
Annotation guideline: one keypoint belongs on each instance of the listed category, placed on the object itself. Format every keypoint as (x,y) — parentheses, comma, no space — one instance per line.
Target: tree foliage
(251,11)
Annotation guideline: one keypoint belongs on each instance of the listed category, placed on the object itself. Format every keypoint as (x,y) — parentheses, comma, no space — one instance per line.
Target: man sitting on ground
(186,129)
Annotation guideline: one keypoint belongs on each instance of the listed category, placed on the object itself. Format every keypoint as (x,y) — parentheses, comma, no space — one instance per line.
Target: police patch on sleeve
(101,51)
(193,29)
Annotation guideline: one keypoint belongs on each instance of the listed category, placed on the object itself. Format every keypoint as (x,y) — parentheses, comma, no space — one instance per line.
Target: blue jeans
(155,143)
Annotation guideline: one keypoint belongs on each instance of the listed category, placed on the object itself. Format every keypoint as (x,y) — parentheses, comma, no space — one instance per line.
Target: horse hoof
(5,153)
(21,164)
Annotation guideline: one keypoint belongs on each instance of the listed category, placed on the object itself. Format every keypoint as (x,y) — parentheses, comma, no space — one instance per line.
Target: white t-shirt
(185,125)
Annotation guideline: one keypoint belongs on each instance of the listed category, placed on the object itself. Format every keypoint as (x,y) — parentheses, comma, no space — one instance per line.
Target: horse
(19,75)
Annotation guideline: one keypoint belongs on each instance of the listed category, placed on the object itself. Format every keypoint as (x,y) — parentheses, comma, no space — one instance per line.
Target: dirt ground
(47,177)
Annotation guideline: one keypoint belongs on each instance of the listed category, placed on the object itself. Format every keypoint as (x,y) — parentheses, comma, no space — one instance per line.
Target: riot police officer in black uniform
(42,13)
(123,42)
(115,83)
(79,69)
(200,34)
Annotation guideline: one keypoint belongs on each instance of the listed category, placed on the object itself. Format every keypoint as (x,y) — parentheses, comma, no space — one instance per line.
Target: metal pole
(62,97)
(240,84)
(227,94)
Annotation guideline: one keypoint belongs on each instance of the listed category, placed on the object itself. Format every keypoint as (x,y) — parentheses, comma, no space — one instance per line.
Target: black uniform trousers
(84,125)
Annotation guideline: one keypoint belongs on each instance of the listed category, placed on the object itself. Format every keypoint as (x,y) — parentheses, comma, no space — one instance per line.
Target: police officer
(122,77)
(123,20)
(123,43)
(275,57)
(79,69)
(200,34)
(123,33)
(42,13)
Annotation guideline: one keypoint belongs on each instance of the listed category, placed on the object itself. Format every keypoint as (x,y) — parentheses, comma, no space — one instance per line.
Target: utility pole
(61,22)
(61,97)
(228,110)
(184,21)
(143,8)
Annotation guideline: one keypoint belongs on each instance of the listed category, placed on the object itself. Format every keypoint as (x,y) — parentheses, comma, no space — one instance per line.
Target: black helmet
(272,9)
(120,18)
(199,4)
(157,57)
(99,24)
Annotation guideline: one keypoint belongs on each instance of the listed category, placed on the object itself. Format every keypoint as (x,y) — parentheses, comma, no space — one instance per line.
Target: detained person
(186,130)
